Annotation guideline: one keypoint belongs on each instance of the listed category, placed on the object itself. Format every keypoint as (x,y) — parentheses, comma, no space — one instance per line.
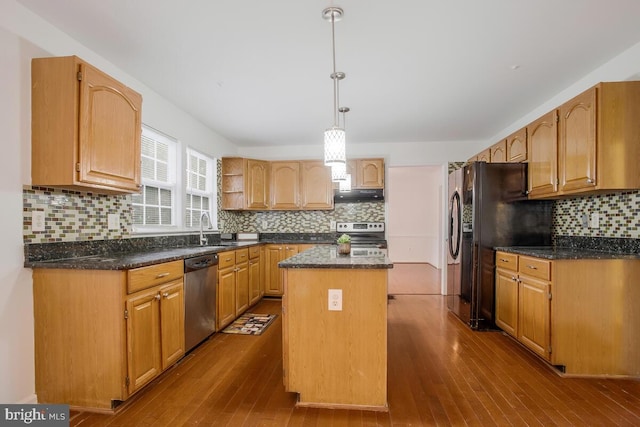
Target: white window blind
(200,188)
(155,205)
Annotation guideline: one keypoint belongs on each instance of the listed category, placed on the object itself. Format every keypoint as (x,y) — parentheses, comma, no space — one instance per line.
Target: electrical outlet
(37,221)
(584,220)
(332,226)
(335,299)
(113,221)
(595,220)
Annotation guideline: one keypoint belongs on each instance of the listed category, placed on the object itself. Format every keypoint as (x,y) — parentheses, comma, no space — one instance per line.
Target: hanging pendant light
(345,186)
(334,138)
(338,172)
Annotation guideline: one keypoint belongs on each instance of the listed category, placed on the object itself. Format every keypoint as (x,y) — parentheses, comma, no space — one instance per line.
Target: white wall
(414,214)
(22,37)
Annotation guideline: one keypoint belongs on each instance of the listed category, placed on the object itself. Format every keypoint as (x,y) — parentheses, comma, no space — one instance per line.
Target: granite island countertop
(326,256)
(564,253)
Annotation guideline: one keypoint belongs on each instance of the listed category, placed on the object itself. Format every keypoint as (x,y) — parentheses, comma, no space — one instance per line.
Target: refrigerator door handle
(454,203)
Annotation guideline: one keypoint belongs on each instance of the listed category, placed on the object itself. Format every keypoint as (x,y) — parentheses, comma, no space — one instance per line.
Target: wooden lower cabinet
(255,280)
(96,342)
(155,332)
(578,314)
(523,305)
(534,310)
(507,302)
(236,279)
(242,287)
(226,297)
(273,254)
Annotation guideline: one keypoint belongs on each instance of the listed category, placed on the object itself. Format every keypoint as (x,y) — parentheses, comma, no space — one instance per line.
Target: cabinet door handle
(157,297)
(161,275)
(504,260)
(514,279)
(166,294)
(532,267)
(590,181)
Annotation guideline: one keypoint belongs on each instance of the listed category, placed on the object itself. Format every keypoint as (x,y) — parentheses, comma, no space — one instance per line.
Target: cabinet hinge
(549,349)
(557,117)
(78,167)
(126,313)
(549,295)
(79,76)
(126,381)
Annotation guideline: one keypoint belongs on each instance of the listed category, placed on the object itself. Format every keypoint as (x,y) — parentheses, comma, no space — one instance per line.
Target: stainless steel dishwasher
(200,279)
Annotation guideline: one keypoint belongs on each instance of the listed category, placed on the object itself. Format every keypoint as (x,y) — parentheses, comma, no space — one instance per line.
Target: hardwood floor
(414,279)
(440,373)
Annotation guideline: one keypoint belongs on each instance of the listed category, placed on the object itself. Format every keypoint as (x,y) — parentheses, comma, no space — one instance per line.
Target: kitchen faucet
(203,240)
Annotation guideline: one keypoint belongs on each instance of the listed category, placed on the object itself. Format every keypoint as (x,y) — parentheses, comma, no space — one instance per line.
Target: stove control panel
(360,227)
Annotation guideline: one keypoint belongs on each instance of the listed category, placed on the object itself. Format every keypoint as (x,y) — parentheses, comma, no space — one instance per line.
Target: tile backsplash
(619,215)
(74,216)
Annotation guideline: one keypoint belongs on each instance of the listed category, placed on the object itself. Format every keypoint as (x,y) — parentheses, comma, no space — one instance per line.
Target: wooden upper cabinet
(285,185)
(517,146)
(499,152)
(542,149)
(245,184)
(369,173)
(85,128)
(577,142)
(484,156)
(257,184)
(316,185)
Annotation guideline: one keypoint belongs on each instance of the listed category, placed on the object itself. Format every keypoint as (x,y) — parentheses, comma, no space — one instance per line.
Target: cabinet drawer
(507,261)
(152,275)
(254,252)
(242,255)
(535,267)
(226,259)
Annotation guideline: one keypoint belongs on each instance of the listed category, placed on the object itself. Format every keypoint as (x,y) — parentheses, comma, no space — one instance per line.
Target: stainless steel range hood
(359,195)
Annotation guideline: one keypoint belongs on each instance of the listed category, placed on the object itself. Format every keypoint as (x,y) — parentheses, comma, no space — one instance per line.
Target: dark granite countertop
(554,252)
(326,256)
(129,260)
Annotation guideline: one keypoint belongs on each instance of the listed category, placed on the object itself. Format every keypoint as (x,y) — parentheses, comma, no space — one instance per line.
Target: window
(174,193)
(199,189)
(154,207)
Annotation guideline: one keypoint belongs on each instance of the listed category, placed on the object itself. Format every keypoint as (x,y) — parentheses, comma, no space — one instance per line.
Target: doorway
(414,229)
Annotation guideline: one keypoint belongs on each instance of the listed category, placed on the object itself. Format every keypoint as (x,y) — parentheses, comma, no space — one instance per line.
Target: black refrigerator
(488,207)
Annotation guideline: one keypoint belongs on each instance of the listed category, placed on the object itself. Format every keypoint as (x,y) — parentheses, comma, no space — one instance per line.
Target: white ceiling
(257,71)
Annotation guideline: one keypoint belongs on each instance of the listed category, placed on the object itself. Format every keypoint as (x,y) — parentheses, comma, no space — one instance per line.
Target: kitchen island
(335,329)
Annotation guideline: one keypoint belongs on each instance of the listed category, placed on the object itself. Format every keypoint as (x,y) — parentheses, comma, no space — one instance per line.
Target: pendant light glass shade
(338,172)
(346,184)
(334,146)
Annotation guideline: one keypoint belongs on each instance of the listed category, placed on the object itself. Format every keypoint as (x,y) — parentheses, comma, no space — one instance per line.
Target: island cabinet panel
(336,358)
(86,128)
